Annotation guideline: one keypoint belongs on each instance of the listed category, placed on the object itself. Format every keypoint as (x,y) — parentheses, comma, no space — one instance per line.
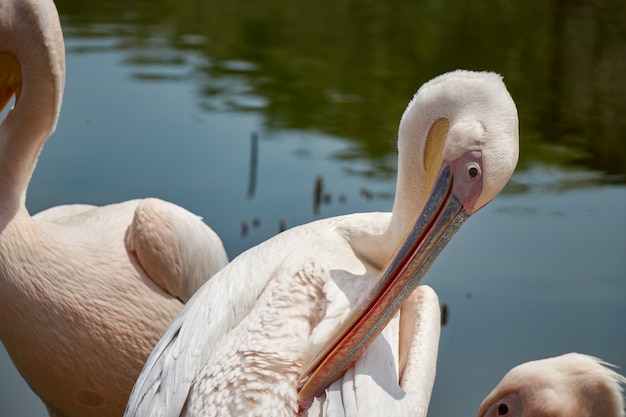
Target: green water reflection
(345,67)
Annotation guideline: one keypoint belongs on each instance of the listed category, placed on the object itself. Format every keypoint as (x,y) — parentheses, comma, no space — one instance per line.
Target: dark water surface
(162,97)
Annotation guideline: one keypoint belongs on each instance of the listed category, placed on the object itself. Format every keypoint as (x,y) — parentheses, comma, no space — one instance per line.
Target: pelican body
(85,292)
(271,331)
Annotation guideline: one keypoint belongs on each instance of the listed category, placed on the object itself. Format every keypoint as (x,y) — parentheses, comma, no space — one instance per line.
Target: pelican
(568,385)
(85,292)
(269,332)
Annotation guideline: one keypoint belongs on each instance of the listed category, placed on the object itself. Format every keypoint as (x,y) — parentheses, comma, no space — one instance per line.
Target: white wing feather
(163,385)
(372,386)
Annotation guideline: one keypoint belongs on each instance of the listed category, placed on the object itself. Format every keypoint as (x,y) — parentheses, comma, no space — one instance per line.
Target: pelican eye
(503,409)
(473,171)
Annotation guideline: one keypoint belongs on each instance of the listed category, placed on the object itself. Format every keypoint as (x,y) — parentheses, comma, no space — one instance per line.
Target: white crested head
(571,385)
(452,114)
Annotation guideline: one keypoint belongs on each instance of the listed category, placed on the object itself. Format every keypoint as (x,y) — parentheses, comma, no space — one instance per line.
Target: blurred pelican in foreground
(286,318)
(85,292)
(564,386)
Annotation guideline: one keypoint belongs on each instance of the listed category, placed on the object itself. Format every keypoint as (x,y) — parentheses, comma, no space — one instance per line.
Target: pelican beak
(451,201)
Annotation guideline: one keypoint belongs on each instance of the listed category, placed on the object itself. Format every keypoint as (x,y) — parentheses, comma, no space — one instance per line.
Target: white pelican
(286,318)
(85,292)
(564,386)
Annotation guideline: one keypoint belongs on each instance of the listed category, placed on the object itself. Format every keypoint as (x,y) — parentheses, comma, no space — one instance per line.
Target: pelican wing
(165,381)
(178,251)
(175,248)
(63,214)
(374,386)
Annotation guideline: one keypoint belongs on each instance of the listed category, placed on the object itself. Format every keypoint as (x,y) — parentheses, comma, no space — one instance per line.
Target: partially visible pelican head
(32,68)
(32,61)
(571,385)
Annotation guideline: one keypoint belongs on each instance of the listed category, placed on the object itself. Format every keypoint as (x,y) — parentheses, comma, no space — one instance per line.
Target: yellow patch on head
(10,78)
(433,151)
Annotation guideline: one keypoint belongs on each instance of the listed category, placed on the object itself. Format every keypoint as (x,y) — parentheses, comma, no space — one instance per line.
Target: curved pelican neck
(418,141)
(29,30)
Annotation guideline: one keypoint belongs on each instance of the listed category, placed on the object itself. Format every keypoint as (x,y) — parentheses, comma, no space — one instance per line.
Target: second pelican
(85,292)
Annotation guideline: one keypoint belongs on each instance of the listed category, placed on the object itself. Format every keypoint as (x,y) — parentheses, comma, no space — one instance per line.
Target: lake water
(162,98)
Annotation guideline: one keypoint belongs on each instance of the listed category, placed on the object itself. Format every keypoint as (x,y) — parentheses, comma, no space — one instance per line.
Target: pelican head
(569,385)
(458,147)
(467,120)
